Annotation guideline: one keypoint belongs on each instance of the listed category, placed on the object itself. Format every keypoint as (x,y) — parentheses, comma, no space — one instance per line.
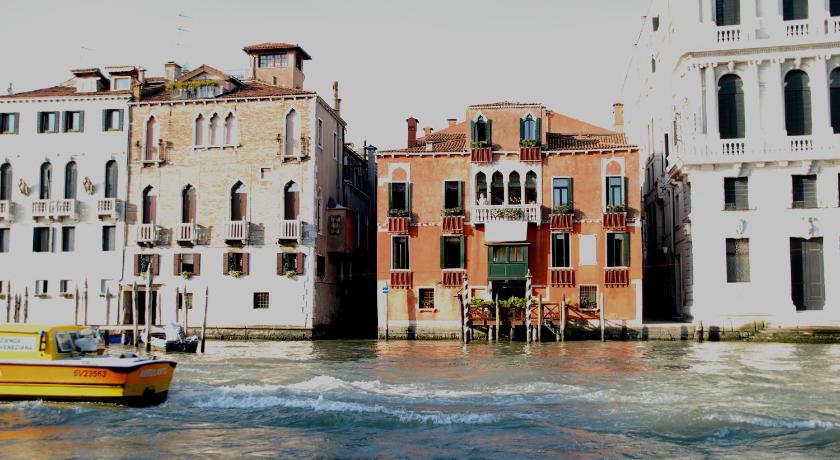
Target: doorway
(807,276)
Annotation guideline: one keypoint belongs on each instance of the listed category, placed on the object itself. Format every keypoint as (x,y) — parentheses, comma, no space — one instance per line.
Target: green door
(507,262)
(806,273)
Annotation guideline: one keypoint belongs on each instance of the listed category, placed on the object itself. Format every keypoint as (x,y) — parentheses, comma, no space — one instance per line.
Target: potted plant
(66,295)
(506,214)
(397,213)
(291,274)
(449,212)
(612,208)
(563,209)
(428,304)
(529,143)
(235,273)
(186,274)
(479,144)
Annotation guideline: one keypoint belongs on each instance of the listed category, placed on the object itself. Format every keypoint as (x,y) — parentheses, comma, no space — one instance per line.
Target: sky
(392,58)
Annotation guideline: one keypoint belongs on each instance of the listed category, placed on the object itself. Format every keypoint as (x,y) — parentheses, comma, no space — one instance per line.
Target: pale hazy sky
(393,58)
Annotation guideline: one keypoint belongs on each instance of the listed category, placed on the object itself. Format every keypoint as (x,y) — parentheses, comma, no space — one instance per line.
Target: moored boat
(173,339)
(61,363)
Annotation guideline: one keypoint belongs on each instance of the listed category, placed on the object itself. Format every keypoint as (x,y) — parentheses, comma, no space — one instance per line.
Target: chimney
(172,71)
(427,131)
(336,100)
(412,131)
(618,117)
(452,121)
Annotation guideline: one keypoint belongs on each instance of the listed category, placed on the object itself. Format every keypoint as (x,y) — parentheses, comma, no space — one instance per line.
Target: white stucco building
(736,108)
(62,195)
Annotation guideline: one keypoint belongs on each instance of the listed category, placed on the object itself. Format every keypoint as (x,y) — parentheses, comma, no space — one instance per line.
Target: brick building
(236,186)
(517,199)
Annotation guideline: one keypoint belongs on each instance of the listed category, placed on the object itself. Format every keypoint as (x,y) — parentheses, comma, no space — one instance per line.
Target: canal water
(446,400)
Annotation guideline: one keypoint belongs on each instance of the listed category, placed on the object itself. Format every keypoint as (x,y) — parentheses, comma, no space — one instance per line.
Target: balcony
(481,155)
(106,208)
(401,279)
(186,233)
(67,208)
(615,220)
(797,29)
(801,144)
(147,234)
(812,147)
(834,26)
(728,34)
(530,213)
(6,210)
(562,222)
(562,277)
(452,225)
(616,277)
(236,230)
(453,278)
(41,209)
(530,154)
(291,230)
(399,225)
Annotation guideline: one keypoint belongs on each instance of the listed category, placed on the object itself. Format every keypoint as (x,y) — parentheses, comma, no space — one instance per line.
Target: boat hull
(141,383)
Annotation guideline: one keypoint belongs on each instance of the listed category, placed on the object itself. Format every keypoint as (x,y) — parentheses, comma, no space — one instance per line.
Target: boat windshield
(63,342)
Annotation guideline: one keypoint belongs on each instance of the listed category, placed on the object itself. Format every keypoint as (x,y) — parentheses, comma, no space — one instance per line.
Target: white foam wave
(774,423)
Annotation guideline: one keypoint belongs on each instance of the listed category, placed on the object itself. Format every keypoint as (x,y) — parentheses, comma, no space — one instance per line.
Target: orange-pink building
(517,201)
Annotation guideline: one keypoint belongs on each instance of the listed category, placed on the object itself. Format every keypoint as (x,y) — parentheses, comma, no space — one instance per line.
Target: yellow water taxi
(62,363)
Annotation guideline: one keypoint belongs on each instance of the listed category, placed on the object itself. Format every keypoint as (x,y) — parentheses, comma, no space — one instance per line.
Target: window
(5,182)
(187,263)
(655,23)
(9,123)
(112,120)
(184,299)
(65,287)
(588,298)
(452,195)
(426,297)
(499,254)
(122,84)
(68,239)
(41,287)
(452,252)
(216,130)
(291,262)
(104,287)
(482,132)
(516,254)
(797,104)
(399,253)
(189,204)
(70,181)
(481,189)
(149,205)
(737,260)
(618,249)
(265,173)
(398,201)
(561,192)
(497,189)
(335,146)
(320,267)
(529,129)
(47,122)
(109,238)
(805,191)
(731,107)
(274,60)
(835,98)
(736,193)
(807,273)
(152,138)
(145,262)
(615,193)
(261,300)
(4,239)
(46,181)
(200,126)
(514,189)
(111,174)
(320,133)
(834,8)
(653,64)
(74,122)
(794,10)
(235,262)
(292,147)
(560,255)
(231,130)
(728,12)
(41,239)
(531,188)
(238,202)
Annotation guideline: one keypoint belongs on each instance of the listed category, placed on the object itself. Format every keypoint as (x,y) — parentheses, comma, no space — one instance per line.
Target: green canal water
(446,400)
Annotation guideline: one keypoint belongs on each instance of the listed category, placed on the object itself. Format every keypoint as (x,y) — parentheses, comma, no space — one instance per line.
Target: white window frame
(551,251)
(391,253)
(420,299)
(571,190)
(597,297)
(41,287)
(607,248)
(115,82)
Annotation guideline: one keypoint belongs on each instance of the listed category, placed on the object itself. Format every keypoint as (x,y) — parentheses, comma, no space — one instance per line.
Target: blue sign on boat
(384,289)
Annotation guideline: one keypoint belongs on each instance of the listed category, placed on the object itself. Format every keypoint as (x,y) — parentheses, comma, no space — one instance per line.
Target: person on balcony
(482,199)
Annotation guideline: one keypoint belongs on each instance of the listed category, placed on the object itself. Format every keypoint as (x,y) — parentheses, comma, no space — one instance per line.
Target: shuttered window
(398,197)
(835,98)
(48,122)
(453,195)
(804,191)
(109,238)
(560,256)
(615,191)
(74,122)
(736,193)
(618,249)
(41,239)
(4,239)
(795,10)
(68,239)
(562,191)
(6,181)
(797,104)
(9,123)
(399,253)
(482,132)
(807,273)
(737,260)
(731,107)
(728,12)
(452,252)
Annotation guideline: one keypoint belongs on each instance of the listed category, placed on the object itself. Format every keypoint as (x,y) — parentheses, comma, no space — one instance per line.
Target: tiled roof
(251,88)
(505,104)
(61,91)
(563,124)
(452,139)
(271,46)
(558,141)
(204,68)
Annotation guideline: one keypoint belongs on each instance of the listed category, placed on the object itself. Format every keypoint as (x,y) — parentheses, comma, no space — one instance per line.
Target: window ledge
(427,310)
(214,147)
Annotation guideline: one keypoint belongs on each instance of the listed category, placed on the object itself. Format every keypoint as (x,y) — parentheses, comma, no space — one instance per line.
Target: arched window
(6,182)
(531,188)
(529,128)
(497,189)
(200,130)
(514,189)
(70,181)
(46,181)
(481,130)
(231,130)
(111,172)
(292,147)
(149,205)
(238,202)
(152,136)
(731,107)
(481,188)
(216,131)
(794,10)
(291,201)
(797,104)
(834,8)
(835,99)
(728,12)
(188,205)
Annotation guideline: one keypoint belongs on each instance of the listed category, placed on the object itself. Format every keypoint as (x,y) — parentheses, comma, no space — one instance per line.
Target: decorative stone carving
(24,188)
(88,185)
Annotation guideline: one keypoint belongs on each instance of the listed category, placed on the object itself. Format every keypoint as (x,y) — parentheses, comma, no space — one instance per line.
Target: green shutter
(61,119)
(390,196)
(408,198)
(539,131)
(607,188)
(463,252)
(626,193)
(82,121)
(571,192)
(489,127)
(521,129)
(442,252)
(17,122)
(461,194)
(626,249)
(473,132)
(105,120)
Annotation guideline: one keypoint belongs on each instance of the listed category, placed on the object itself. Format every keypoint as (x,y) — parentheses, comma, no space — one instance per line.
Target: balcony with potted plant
(562,218)
(530,150)
(453,221)
(399,221)
(481,152)
(615,217)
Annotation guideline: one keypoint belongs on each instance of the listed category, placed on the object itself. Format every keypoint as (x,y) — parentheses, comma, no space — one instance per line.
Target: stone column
(752,104)
(820,96)
(712,126)
(774,125)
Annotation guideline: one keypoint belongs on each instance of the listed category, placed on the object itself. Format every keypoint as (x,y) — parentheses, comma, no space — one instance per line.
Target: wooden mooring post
(26,305)
(465,299)
(539,318)
(204,324)
(76,301)
(107,306)
(601,317)
(563,319)
(186,312)
(149,294)
(9,303)
(86,302)
(498,320)
(135,310)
